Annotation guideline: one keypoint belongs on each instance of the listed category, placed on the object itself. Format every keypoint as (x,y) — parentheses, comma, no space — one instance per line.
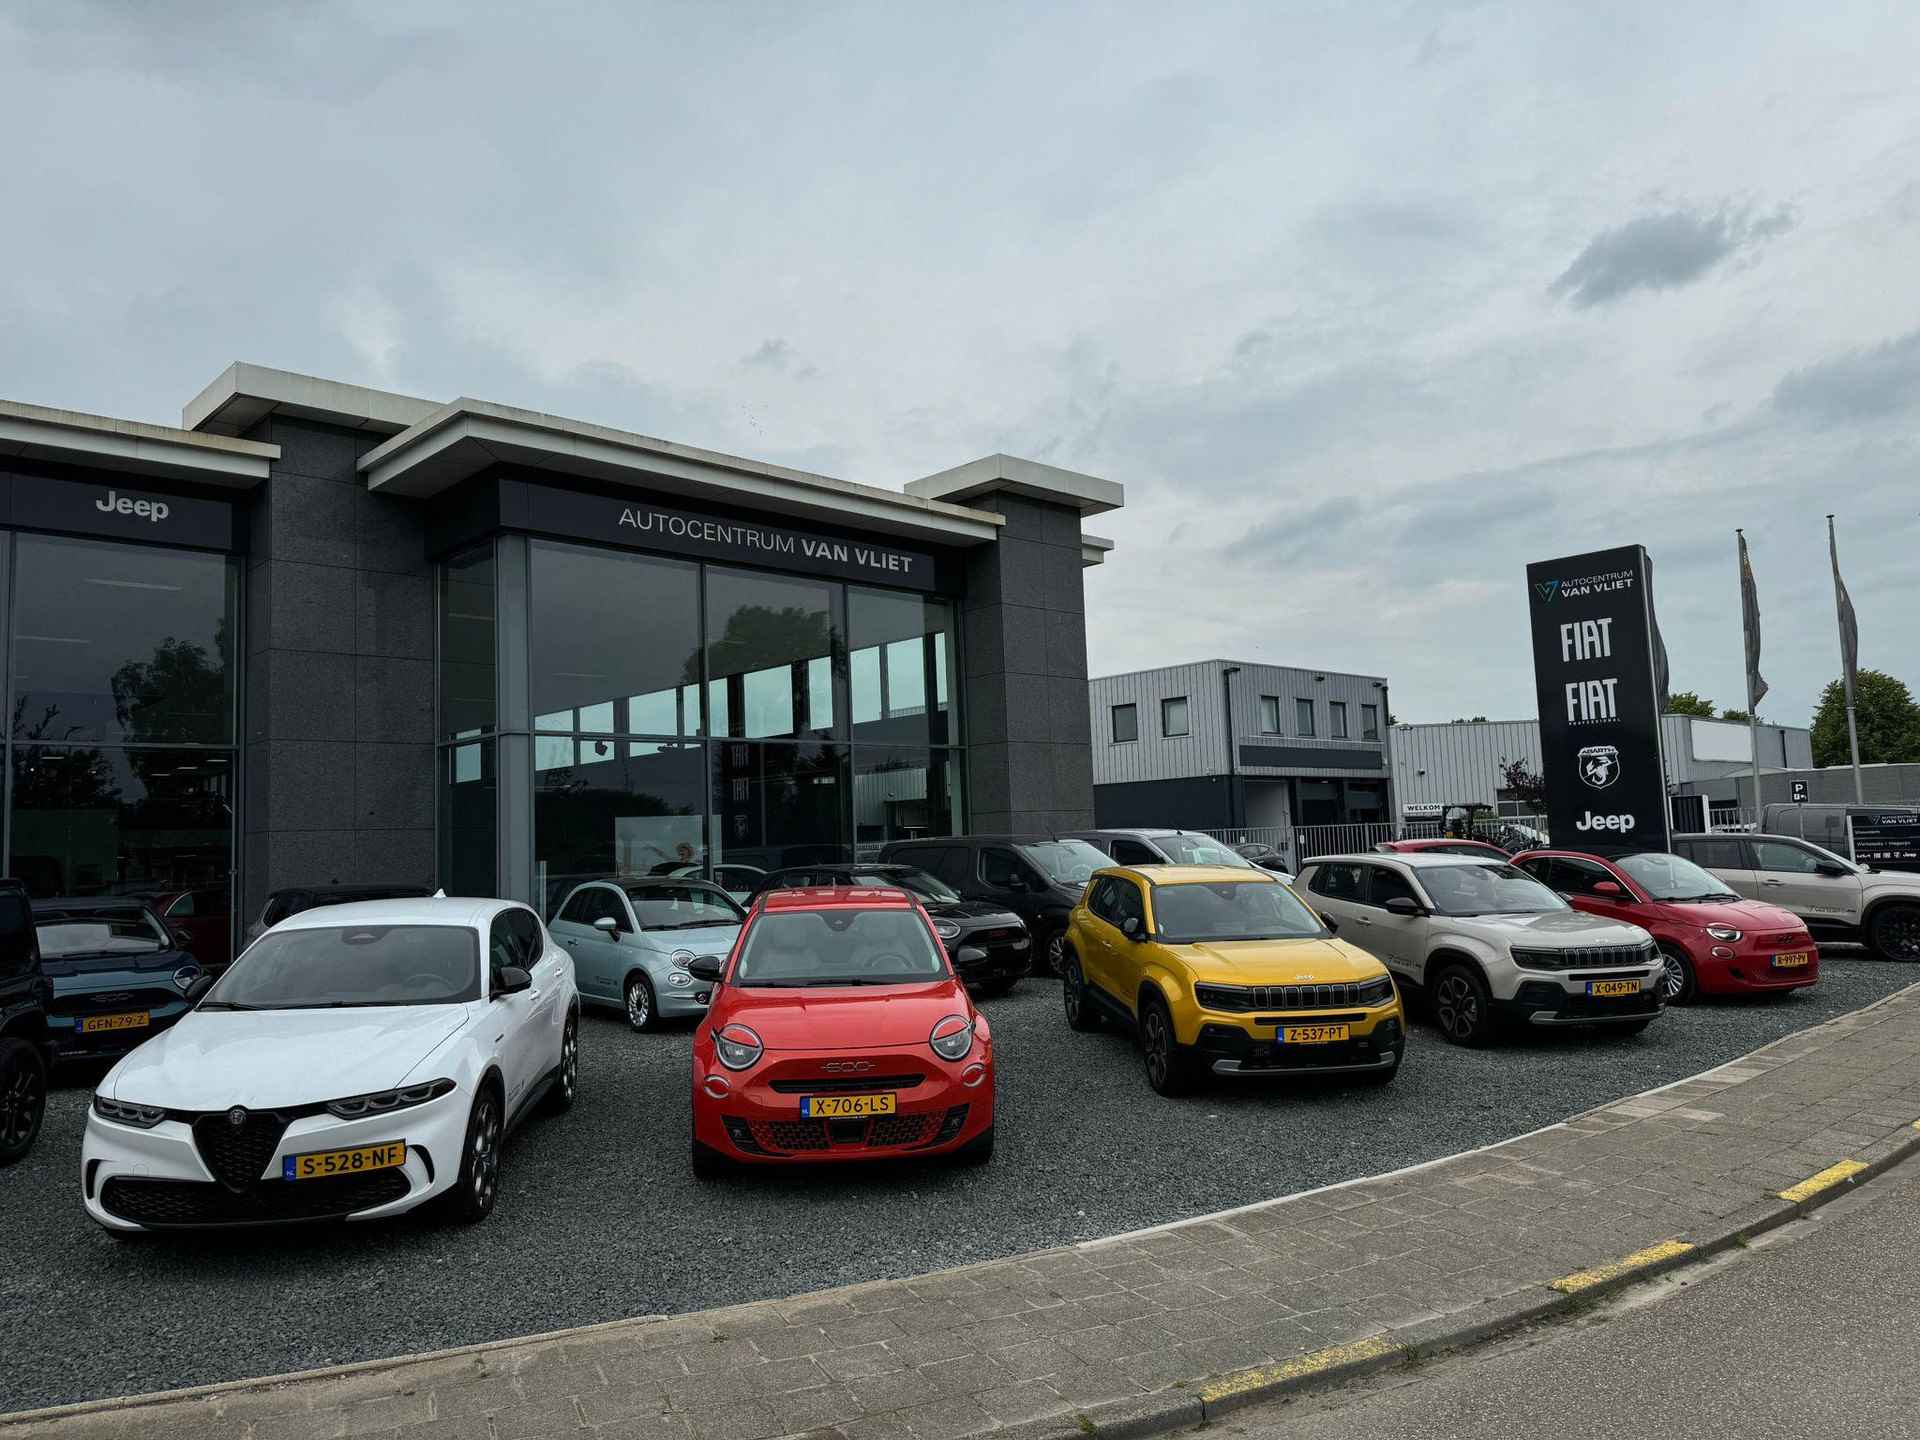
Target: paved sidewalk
(1157,1328)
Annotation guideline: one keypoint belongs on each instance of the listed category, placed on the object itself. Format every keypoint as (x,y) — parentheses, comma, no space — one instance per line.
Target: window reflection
(607,628)
(779,804)
(121,643)
(900,793)
(899,665)
(467,620)
(606,813)
(773,647)
(469,827)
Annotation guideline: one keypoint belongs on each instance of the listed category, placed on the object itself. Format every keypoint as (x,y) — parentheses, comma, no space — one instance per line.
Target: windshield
(682,907)
(101,932)
(843,945)
(1201,850)
(927,887)
(1668,877)
(1065,862)
(1487,890)
(1232,910)
(337,966)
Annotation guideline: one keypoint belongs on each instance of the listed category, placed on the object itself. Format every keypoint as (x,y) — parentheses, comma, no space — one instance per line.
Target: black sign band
(115,511)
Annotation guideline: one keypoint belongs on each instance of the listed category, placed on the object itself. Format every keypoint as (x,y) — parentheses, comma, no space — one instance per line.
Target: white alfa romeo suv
(356,1062)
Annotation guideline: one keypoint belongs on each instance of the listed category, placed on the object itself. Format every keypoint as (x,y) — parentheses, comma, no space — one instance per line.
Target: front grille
(238,1154)
(113,1002)
(897,1130)
(162,1203)
(1582,957)
(1540,995)
(790,1134)
(878,1133)
(1289,997)
(999,935)
(1786,937)
(844,1084)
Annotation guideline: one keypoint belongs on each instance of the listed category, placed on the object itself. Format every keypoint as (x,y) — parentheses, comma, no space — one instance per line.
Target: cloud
(1865,384)
(1663,252)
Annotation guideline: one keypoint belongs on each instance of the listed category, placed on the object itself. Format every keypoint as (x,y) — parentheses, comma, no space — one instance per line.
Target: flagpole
(1753,706)
(1846,667)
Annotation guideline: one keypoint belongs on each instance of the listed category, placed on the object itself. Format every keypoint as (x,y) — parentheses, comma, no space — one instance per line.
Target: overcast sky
(1367,305)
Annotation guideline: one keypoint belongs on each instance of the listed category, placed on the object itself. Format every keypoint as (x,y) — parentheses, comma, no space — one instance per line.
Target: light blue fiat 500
(632,940)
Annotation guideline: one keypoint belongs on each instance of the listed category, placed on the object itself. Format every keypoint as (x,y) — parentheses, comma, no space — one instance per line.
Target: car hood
(1741,914)
(216,1059)
(1278,962)
(1890,882)
(91,972)
(972,910)
(858,1017)
(1554,927)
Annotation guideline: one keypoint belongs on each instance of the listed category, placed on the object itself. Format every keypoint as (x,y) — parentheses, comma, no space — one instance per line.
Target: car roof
(412,910)
(1138,831)
(1418,859)
(1188,874)
(59,904)
(1008,839)
(651,882)
(371,887)
(835,897)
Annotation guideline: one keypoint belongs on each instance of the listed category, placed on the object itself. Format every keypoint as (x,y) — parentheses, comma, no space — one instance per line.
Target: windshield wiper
(693,925)
(227,1005)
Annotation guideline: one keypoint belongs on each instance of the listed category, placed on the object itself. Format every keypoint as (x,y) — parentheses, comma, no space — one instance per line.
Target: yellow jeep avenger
(1226,971)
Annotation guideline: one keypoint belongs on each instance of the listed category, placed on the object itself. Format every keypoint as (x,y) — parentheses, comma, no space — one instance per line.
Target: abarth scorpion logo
(1599,765)
(236,1117)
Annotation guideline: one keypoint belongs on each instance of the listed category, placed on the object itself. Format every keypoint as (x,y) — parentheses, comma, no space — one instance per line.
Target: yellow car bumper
(1357,1040)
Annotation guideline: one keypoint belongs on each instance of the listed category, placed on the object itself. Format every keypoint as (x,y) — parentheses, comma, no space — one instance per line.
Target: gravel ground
(600,1219)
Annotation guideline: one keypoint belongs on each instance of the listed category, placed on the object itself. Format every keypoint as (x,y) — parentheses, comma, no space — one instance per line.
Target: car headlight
(680,959)
(946,929)
(141,1117)
(737,1046)
(952,1037)
(1528,959)
(1723,932)
(382,1102)
(1376,992)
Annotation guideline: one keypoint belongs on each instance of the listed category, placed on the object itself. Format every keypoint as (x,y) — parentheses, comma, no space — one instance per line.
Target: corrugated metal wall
(1203,750)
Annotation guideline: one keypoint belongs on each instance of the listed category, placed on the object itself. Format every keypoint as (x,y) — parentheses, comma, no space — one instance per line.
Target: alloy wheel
(1158,1045)
(1456,1007)
(1057,952)
(570,1059)
(1070,990)
(21,1097)
(1900,934)
(486,1151)
(1673,977)
(639,1003)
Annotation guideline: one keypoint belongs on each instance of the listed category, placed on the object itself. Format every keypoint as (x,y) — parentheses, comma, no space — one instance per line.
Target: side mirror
(1131,927)
(1609,888)
(1333,925)
(511,980)
(198,989)
(607,925)
(1405,905)
(1829,869)
(705,967)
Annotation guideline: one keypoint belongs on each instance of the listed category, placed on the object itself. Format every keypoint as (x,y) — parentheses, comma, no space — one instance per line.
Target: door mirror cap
(607,925)
(1405,905)
(198,989)
(1610,888)
(1130,927)
(1333,925)
(1830,870)
(511,980)
(705,967)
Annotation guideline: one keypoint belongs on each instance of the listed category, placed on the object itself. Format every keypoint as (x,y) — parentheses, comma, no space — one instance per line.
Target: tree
(1525,786)
(1685,702)
(1885,713)
(1740,716)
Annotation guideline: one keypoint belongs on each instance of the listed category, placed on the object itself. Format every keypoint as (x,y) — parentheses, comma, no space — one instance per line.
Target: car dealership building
(321,632)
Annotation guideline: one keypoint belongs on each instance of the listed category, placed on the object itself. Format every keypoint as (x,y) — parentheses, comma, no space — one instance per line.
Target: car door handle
(1773,882)
(1363,919)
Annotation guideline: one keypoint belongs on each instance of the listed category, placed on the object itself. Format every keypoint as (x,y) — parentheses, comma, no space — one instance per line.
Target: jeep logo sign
(1593,668)
(154,511)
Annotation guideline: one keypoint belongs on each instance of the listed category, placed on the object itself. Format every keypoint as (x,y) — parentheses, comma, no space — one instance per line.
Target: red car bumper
(939,1105)
(1750,964)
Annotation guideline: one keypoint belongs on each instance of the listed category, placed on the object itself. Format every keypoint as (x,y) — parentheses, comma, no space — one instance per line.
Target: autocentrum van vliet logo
(1599,765)
(1549,589)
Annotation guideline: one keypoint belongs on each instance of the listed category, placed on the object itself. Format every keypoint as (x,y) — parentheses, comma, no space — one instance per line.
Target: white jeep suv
(1487,943)
(357,1061)
(1838,899)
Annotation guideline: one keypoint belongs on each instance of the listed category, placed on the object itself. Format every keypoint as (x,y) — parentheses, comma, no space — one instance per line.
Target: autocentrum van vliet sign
(743,539)
(1594,669)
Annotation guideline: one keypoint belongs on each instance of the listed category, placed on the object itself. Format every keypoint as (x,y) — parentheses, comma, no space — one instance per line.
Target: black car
(118,974)
(1040,878)
(296,898)
(24,1057)
(986,941)
(1266,856)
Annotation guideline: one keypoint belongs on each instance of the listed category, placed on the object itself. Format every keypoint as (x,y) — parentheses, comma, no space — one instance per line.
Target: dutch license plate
(1613,987)
(133,1020)
(1312,1034)
(321,1164)
(845,1107)
(1792,960)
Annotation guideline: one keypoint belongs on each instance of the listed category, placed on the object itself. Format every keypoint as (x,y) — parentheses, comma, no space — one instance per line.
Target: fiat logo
(236,1117)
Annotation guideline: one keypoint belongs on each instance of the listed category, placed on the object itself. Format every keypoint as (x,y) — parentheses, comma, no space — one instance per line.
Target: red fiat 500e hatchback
(838,1031)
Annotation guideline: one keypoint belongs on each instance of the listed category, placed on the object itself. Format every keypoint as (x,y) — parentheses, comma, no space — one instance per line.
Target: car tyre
(478,1186)
(1053,953)
(1462,1007)
(1895,933)
(977,1151)
(566,1075)
(1678,981)
(643,1007)
(1169,1064)
(23,1098)
(1074,999)
(708,1163)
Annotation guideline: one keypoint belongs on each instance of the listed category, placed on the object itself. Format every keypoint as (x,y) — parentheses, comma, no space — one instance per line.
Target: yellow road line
(1586,1279)
(1370,1348)
(1825,1180)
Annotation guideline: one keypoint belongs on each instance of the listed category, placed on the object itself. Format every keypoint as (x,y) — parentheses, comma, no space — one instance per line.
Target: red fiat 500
(1714,942)
(838,1031)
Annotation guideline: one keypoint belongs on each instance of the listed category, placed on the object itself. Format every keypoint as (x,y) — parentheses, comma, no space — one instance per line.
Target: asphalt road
(600,1219)
(1813,1334)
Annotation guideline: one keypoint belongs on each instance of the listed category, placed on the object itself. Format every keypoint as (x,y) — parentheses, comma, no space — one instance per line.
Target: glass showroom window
(469,824)
(900,668)
(615,643)
(1303,716)
(775,646)
(1126,724)
(778,804)
(604,811)
(1269,714)
(900,793)
(1173,716)
(467,622)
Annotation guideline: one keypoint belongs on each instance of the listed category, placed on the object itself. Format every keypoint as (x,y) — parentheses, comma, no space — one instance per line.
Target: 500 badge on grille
(322,1164)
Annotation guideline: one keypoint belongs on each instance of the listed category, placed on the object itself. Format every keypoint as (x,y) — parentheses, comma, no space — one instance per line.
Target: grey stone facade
(338,720)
